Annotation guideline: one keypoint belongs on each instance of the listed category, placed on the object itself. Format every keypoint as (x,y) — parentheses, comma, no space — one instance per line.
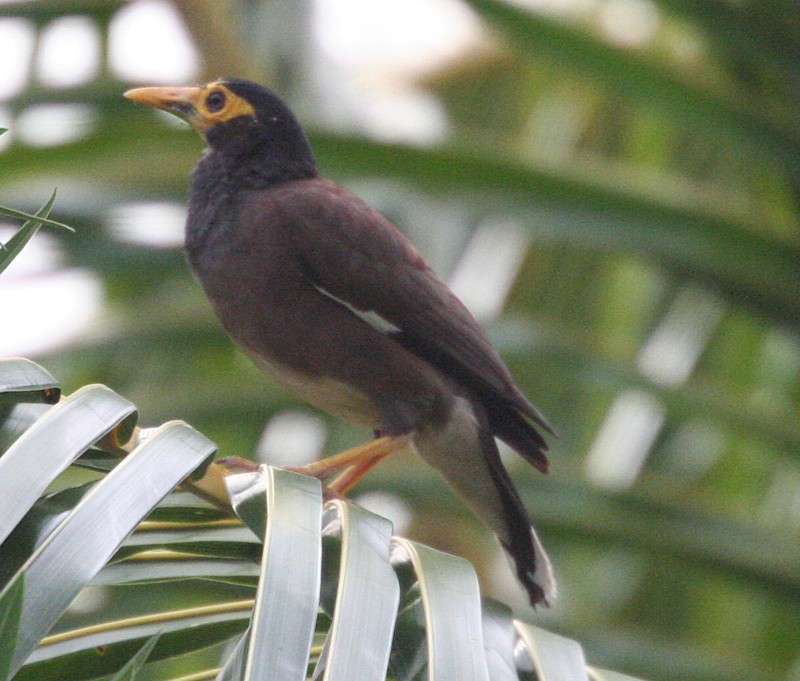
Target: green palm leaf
(327,592)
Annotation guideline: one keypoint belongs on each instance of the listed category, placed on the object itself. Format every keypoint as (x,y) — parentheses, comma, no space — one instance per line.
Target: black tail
(465,452)
(523,546)
(512,428)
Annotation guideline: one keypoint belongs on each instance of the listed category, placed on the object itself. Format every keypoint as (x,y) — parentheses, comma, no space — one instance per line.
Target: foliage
(329,575)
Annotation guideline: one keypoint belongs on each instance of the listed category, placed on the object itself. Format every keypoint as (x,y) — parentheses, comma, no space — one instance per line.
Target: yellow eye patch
(217,104)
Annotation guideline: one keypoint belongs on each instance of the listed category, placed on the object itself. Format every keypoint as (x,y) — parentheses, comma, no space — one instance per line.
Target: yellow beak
(181,101)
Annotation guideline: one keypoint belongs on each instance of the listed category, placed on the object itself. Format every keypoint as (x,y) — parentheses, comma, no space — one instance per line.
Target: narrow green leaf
(499,641)
(409,658)
(131,670)
(16,420)
(153,568)
(24,234)
(233,668)
(195,534)
(450,598)
(282,627)
(89,653)
(360,637)
(40,217)
(183,506)
(80,546)
(24,381)
(10,613)
(51,444)
(40,521)
(554,657)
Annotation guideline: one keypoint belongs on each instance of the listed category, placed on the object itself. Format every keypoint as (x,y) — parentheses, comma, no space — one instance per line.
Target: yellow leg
(342,483)
(353,464)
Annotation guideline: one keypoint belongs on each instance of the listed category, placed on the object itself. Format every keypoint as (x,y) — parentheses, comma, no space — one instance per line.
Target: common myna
(333,301)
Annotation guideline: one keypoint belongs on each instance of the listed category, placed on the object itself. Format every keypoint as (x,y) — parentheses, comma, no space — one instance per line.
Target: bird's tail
(466,454)
(522,543)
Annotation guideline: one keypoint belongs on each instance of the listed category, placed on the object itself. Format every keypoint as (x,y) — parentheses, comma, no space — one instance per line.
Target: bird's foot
(348,467)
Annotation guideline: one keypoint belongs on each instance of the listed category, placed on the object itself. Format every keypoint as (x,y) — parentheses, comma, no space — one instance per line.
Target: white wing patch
(371,317)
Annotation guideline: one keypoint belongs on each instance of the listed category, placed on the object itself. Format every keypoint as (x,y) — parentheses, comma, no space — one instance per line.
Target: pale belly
(325,393)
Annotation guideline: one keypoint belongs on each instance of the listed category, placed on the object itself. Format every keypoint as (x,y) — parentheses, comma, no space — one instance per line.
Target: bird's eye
(215,101)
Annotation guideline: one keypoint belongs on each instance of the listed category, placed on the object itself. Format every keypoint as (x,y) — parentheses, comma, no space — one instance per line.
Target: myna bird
(334,302)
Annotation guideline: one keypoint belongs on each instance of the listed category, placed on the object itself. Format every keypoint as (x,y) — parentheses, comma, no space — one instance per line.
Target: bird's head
(240,119)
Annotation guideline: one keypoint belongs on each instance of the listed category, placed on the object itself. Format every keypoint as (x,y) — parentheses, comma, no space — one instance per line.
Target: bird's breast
(335,397)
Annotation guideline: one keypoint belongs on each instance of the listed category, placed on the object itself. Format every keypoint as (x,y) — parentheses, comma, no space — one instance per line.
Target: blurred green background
(611,185)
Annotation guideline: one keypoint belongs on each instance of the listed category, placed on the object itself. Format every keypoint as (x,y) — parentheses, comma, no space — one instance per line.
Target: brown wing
(355,255)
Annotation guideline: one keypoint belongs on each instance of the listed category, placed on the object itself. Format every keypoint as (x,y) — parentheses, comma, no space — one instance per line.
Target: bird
(328,297)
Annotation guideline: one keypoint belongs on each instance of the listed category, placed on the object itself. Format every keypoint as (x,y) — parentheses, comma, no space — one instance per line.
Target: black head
(252,131)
